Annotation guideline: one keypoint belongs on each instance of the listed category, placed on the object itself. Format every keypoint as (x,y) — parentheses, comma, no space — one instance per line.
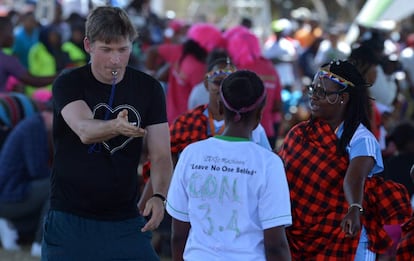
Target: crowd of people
(127,125)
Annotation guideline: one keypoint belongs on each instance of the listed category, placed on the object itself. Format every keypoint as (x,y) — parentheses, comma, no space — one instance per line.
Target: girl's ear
(258,116)
(344,98)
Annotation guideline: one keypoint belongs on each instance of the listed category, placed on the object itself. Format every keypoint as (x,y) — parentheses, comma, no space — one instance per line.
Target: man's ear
(87,44)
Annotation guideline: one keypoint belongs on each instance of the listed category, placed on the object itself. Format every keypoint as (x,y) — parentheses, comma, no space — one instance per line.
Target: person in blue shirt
(25,36)
(25,161)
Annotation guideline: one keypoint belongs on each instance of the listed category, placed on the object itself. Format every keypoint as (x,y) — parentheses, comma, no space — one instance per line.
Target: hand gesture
(155,207)
(126,128)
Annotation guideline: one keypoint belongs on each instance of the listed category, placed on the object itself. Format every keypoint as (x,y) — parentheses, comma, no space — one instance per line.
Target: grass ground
(23,255)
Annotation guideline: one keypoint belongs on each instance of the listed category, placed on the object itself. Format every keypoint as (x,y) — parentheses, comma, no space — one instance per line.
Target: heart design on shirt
(118,142)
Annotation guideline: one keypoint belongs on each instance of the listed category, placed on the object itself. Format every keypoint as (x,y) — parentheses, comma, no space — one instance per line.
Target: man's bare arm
(80,119)
(159,153)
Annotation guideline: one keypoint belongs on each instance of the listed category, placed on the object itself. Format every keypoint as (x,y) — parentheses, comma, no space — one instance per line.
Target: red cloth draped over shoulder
(315,172)
(186,129)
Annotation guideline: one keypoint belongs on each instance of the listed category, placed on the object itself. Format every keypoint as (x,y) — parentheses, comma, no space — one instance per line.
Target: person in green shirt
(47,57)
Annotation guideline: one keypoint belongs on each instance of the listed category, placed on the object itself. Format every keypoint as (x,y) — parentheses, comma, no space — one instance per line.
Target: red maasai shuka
(189,128)
(315,172)
(405,248)
(186,129)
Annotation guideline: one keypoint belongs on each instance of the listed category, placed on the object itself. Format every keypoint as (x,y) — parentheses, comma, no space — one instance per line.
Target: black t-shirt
(100,180)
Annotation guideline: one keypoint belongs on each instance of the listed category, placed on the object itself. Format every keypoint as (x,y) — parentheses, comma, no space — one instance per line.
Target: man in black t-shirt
(102,111)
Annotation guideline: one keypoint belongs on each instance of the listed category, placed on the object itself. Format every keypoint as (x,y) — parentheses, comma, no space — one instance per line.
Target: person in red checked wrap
(405,247)
(339,205)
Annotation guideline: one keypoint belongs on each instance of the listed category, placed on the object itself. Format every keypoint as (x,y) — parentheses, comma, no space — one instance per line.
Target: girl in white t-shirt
(229,198)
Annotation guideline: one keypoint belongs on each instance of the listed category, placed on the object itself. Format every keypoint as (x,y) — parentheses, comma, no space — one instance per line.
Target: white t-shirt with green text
(230,190)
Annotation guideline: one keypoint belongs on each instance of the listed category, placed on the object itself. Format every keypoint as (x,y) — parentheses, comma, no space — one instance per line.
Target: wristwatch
(158,195)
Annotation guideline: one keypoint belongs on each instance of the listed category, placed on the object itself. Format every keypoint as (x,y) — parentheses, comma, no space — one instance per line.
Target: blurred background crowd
(284,42)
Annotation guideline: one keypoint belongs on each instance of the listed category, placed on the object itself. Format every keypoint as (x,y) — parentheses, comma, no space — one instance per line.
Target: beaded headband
(220,72)
(335,78)
(252,107)
(230,68)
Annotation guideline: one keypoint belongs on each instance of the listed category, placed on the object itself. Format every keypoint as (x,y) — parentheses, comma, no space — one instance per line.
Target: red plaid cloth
(186,129)
(385,202)
(315,172)
(405,248)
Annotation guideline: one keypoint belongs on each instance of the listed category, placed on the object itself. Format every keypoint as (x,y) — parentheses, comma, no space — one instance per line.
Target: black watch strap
(158,195)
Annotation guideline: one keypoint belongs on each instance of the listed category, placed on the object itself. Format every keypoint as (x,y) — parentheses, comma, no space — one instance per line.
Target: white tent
(381,13)
(381,10)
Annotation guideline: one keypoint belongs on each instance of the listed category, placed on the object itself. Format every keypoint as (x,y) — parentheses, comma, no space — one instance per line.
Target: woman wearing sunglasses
(338,203)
